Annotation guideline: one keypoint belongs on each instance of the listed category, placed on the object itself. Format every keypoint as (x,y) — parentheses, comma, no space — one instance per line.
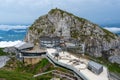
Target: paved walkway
(43,73)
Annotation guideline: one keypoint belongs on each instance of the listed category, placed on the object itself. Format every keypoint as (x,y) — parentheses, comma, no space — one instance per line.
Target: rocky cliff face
(61,23)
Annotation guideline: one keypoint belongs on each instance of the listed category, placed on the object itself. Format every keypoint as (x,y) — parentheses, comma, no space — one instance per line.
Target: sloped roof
(95,65)
(25,46)
(47,38)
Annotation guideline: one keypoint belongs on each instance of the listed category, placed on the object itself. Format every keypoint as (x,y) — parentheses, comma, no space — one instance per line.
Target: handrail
(67,66)
(54,72)
(43,73)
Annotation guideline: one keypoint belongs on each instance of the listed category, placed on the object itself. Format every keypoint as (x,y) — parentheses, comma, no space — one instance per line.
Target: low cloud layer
(9,27)
(113,29)
(4,44)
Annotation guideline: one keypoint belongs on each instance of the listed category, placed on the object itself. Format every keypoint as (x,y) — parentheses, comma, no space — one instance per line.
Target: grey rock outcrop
(12,50)
(115,59)
(62,23)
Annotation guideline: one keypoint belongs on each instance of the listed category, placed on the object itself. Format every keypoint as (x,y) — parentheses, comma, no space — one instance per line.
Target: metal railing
(67,66)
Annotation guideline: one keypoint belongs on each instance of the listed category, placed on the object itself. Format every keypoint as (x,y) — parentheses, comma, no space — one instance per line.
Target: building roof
(94,64)
(47,38)
(34,51)
(72,45)
(26,46)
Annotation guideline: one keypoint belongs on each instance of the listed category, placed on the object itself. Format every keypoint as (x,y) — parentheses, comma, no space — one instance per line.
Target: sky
(26,11)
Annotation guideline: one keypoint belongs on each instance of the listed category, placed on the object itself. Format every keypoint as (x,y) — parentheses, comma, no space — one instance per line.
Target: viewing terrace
(77,65)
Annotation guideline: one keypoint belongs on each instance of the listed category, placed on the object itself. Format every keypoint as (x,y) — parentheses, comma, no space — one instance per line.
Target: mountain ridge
(96,38)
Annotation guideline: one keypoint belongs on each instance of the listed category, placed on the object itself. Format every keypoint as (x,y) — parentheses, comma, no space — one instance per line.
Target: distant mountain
(1,40)
(12,34)
(111,25)
(96,39)
(16,31)
(118,33)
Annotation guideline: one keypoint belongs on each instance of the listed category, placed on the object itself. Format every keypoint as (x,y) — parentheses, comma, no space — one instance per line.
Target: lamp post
(57,55)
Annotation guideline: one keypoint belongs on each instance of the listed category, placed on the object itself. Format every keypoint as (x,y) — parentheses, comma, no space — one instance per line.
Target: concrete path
(43,73)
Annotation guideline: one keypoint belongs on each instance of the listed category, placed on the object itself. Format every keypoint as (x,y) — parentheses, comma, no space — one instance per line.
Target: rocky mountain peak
(64,24)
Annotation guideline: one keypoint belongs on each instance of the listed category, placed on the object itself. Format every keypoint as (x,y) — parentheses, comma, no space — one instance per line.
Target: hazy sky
(26,11)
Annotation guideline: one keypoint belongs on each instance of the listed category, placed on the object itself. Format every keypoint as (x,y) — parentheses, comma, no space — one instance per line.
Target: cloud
(113,29)
(9,27)
(26,11)
(10,43)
